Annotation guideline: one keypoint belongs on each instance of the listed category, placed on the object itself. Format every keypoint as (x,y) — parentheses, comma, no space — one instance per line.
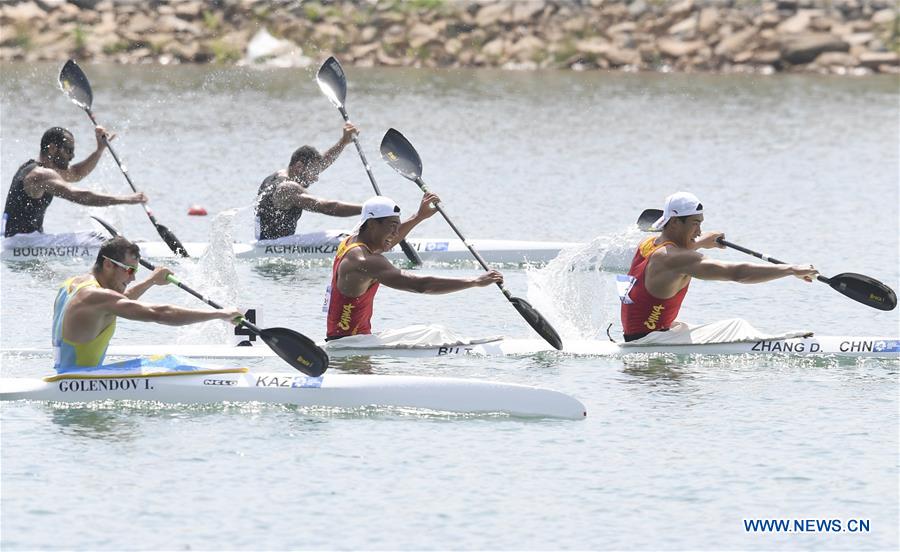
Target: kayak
(316,246)
(350,391)
(843,346)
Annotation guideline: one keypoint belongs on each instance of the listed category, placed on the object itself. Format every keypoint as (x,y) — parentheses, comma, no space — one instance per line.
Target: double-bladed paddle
(75,84)
(295,348)
(403,158)
(859,287)
(333,82)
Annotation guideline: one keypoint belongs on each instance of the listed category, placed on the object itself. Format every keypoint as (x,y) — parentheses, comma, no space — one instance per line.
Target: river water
(676,452)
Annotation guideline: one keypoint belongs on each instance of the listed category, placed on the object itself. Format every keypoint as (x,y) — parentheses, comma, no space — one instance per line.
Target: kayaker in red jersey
(359,267)
(663,266)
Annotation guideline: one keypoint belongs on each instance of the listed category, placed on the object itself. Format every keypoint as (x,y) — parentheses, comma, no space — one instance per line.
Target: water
(675,453)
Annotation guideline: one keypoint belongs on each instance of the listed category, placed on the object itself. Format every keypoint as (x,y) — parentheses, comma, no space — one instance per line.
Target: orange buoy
(197,210)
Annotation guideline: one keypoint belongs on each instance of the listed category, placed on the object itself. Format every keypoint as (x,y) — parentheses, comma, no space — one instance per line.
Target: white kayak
(843,346)
(318,246)
(329,391)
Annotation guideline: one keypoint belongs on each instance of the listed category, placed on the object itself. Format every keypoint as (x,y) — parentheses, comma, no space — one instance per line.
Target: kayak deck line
(440,394)
(315,246)
(151,374)
(840,346)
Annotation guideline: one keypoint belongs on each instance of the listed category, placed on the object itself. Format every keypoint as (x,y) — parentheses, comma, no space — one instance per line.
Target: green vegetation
(212,21)
(117,47)
(80,37)
(22,36)
(224,52)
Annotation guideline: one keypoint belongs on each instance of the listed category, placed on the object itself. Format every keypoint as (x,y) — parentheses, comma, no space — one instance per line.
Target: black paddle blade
(75,84)
(410,253)
(297,350)
(538,322)
(333,81)
(647,218)
(109,227)
(865,290)
(174,243)
(401,155)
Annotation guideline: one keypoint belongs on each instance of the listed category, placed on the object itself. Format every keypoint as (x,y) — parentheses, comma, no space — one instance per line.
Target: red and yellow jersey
(348,315)
(642,312)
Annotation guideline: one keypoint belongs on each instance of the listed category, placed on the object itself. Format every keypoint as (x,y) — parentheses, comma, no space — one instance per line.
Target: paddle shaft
(766,258)
(404,245)
(119,163)
(174,279)
(424,188)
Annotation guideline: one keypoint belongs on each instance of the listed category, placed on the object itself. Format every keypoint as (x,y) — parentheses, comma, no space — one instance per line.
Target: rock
(686,27)
(804,48)
(624,27)
(527,47)
(594,46)
(263,45)
(618,57)
(421,34)
(874,59)
(26,11)
(854,39)
(492,14)
(677,48)
(681,8)
(707,20)
(636,8)
(524,10)
(494,48)
(884,17)
(765,57)
(731,45)
(836,58)
(140,23)
(796,24)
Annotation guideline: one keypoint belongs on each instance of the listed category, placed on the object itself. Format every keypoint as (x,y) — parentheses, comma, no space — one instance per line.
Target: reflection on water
(103,421)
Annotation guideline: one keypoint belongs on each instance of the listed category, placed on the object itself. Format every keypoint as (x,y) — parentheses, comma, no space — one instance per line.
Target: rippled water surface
(676,452)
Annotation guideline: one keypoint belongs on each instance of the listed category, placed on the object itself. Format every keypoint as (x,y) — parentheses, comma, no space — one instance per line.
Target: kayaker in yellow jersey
(86,307)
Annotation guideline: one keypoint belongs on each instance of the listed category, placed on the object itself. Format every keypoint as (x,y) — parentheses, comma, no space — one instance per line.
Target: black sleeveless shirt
(23,214)
(271,222)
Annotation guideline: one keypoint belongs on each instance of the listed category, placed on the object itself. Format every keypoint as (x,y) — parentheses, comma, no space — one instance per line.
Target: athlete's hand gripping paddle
(75,84)
(333,83)
(859,287)
(403,158)
(293,347)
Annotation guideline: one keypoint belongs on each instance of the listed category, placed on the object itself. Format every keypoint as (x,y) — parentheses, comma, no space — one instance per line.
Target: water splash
(576,291)
(216,277)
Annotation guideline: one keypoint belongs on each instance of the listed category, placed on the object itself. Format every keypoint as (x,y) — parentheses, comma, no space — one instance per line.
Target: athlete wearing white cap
(663,266)
(359,267)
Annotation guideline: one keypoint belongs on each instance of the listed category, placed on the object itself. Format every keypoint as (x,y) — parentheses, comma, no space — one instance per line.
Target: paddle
(403,158)
(295,348)
(333,83)
(859,287)
(75,84)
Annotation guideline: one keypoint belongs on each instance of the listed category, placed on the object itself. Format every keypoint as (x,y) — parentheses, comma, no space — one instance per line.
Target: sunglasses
(130,269)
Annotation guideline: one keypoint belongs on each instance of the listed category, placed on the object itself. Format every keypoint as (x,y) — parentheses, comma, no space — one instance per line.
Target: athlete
(359,267)
(36,183)
(282,196)
(86,307)
(663,266)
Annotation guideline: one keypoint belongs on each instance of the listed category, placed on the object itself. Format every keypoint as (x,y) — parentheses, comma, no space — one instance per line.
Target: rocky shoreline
(822,36)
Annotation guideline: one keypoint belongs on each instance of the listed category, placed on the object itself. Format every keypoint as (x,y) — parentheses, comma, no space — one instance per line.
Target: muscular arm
(696,265)
(41,181)
(332,154)
(356,271)
(290,194)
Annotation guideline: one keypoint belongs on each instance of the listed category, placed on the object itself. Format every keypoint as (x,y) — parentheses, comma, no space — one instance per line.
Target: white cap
(375,208)
(679,204)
